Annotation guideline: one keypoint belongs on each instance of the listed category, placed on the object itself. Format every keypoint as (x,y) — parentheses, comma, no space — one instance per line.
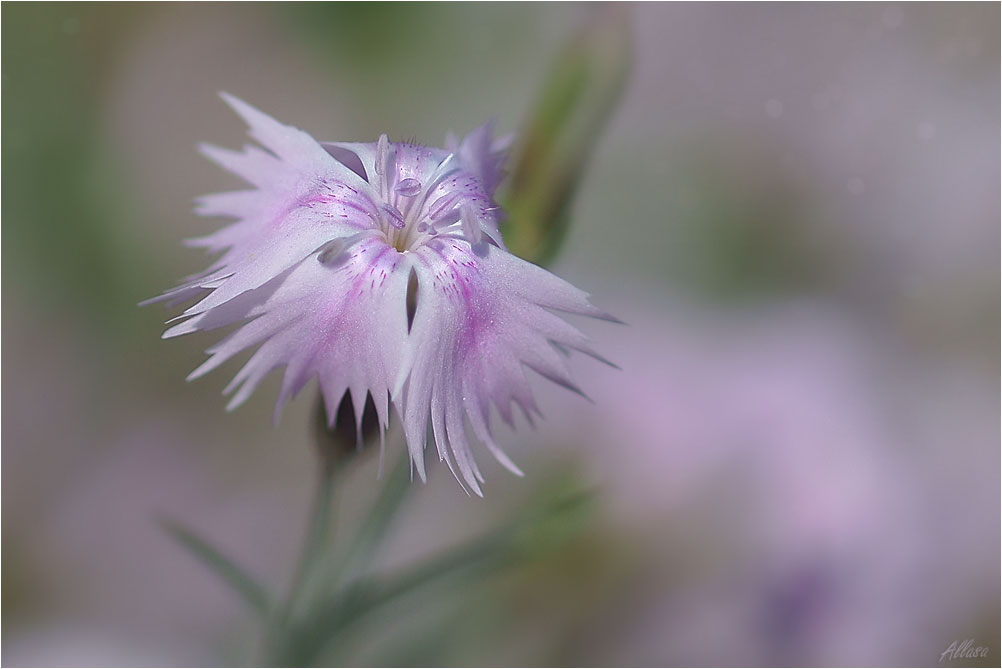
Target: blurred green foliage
(366,34)
(66,236)
(740,232)
(399,66)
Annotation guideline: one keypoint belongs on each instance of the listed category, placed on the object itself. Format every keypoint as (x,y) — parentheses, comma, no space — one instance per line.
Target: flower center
(409,214)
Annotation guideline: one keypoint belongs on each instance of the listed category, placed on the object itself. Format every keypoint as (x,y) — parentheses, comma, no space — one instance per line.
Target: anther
(393,216)
(408,187)
(382,149)
(445,218)
(442,204)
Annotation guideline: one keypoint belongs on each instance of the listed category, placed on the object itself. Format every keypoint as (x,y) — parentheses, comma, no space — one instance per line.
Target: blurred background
(795,208)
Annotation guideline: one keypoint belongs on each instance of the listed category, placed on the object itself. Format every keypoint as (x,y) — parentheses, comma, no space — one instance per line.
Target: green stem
(315,545)
(392,494)
(287,646)
(317,536)
(309,641)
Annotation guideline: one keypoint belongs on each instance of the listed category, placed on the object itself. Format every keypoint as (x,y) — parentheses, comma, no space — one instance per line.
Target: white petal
(484,157)
(304,198)
(480,320)
(346,324)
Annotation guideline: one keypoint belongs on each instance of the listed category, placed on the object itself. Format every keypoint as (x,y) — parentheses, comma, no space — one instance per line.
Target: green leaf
(252,592)
(306,643)
(577,99)
(516,540)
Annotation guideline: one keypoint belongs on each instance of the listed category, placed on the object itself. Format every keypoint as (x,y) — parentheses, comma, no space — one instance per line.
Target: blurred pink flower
(322,258)
(798,484)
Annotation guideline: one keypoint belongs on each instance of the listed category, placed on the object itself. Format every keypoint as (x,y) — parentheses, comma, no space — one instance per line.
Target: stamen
(408,187)
(393,216)
(446,218)
(382,149)
(442,204)
(444,169)
(471,226)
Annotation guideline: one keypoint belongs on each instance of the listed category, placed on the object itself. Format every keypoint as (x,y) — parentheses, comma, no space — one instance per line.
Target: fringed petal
(303,198)
(481,320)
(344,322)
(484,156)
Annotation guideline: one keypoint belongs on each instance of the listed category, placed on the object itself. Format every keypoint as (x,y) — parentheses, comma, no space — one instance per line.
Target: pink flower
(318,266)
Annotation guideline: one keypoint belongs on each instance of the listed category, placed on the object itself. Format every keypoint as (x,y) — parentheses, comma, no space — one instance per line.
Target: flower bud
(342,438)
(577,98)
